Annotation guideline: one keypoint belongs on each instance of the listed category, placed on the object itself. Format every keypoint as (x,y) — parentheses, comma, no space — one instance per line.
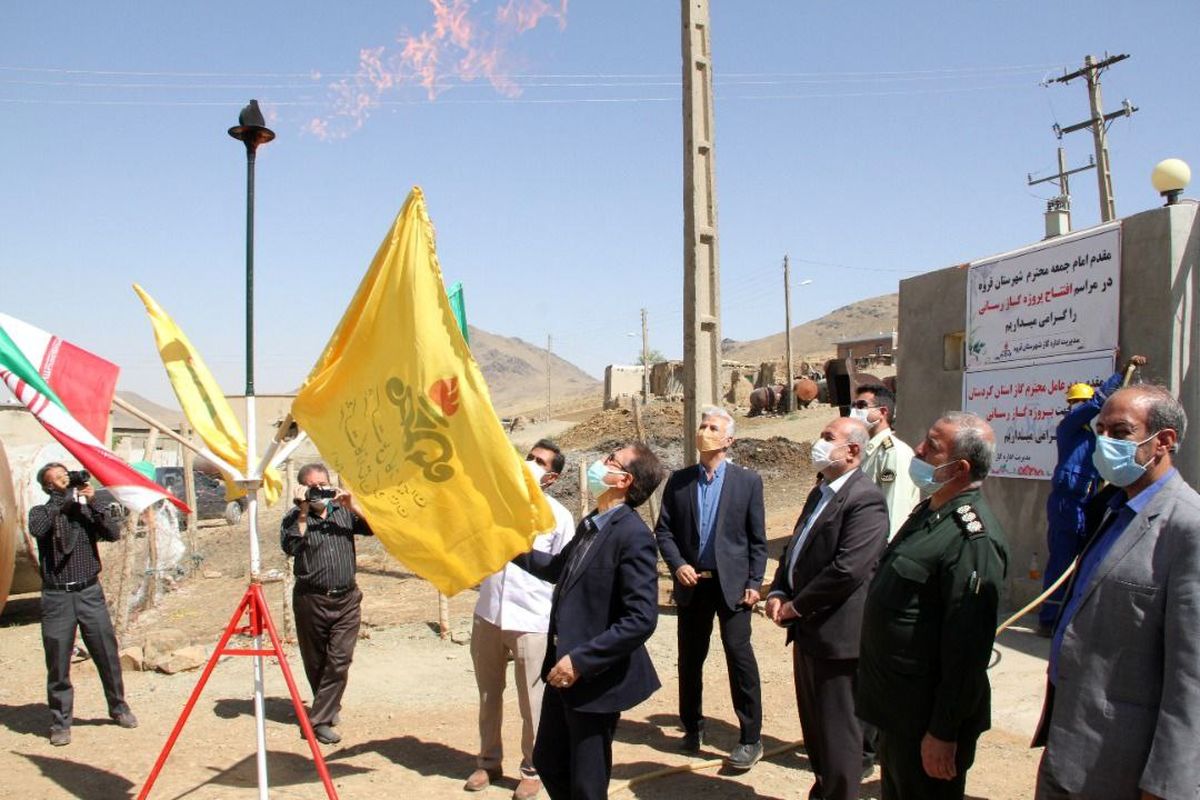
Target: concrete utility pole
(1058,209)
(645,360)
(789,395)
(701,271)
(1091,71)
(549,348)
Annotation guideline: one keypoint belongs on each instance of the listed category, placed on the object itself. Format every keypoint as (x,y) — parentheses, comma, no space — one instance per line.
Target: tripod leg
(305,725)
(191,703)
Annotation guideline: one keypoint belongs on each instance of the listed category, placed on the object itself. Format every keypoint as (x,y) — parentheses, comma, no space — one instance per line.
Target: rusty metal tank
(806,391)
(19,491)
(9,529)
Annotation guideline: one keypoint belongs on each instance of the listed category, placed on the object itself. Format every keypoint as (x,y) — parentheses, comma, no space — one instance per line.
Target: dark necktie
(582,544)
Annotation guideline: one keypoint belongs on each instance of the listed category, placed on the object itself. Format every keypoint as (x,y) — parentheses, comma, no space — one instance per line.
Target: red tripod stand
(255,605)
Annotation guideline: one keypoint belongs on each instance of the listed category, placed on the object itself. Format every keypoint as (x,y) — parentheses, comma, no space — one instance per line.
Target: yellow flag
(397,405)
(202,401)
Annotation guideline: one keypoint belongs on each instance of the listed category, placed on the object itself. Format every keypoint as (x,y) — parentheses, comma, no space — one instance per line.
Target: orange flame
(456,46)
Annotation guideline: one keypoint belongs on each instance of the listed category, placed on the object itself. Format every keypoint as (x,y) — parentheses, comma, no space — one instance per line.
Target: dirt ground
(409,715)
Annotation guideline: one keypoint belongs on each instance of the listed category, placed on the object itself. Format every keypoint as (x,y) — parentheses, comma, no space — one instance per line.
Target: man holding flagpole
(66,528)
(604,609)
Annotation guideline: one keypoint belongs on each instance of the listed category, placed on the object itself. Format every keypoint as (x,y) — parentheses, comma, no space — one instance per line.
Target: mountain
(819,337)
(515,371)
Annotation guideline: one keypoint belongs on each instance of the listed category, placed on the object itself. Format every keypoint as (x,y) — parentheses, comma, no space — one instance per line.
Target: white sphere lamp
(1169,177)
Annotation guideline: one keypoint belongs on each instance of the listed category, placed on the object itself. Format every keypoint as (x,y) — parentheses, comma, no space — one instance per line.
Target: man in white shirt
(886,458)
(511,619)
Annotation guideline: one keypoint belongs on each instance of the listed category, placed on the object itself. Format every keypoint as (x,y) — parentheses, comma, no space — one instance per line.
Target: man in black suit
(713,536)
(605,607)
(818,593)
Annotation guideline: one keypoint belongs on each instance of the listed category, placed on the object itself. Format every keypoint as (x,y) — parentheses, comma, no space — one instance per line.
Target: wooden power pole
(1098,123)
(645,360)
(549,348)
(701,270)
(789,394)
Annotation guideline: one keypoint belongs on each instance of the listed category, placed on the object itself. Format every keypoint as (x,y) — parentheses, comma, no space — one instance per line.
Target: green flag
(458,304)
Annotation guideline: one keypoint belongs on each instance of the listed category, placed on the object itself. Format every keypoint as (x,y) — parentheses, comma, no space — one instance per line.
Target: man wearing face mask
(1073,485)
(818,593)
(886,458)
(512,615)
(319,532)
(1122,711)
(604,608)
(712,534)
(930,619)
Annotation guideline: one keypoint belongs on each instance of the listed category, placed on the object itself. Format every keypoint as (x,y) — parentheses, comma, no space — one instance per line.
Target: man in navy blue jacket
(713,536)
(604,609)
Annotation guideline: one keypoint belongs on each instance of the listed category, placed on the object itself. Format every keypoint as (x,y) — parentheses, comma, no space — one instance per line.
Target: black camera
(321,493)
(78,478)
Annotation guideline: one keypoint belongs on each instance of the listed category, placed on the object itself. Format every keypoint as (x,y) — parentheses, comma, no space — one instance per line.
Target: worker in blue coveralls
(1074,483)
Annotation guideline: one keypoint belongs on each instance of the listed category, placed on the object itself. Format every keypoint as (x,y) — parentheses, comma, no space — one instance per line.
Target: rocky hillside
(515,371)
(818,337)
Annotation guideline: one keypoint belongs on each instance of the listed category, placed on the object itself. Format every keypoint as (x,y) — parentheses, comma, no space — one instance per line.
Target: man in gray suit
(1122,713)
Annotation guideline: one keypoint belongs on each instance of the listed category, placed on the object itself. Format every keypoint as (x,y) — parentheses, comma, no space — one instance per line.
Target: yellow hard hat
(1080,391)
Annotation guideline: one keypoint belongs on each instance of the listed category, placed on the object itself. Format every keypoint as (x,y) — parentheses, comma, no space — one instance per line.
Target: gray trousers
(833,735)
(62,614)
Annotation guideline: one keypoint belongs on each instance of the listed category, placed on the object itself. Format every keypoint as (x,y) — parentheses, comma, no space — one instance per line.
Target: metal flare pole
(260,717)
(252,132)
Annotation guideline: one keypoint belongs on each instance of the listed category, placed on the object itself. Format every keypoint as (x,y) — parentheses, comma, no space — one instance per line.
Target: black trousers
(833,737)
(904,777)
(573,752)
(62,614)
(694,632)
(327,631)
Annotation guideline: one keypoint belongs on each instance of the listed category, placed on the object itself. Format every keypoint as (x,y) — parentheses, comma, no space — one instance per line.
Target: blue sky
(868,140)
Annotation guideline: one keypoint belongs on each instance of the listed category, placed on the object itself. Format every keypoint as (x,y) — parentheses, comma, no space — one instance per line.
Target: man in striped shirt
(319,532)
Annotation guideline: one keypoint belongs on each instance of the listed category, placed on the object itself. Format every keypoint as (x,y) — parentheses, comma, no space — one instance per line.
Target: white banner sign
(1056,299)
(1024,405)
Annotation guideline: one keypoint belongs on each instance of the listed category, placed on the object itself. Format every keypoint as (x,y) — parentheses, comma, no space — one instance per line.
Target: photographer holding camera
(66,528)
(319,532)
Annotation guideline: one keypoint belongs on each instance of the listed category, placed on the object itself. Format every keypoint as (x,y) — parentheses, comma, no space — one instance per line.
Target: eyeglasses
(863,404)
(611,458)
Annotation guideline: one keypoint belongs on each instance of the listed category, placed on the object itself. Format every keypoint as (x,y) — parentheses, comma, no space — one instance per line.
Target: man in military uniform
(930,619)
(886,459)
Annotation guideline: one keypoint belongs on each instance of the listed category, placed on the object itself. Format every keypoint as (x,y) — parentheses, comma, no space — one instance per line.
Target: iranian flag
(70,390)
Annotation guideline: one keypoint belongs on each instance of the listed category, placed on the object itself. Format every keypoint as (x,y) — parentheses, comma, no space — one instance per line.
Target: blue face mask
(595,477)
(1116,460)
(922,474)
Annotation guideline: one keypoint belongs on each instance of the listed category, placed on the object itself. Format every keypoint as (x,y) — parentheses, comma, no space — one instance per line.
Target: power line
(166,103)
(317,75)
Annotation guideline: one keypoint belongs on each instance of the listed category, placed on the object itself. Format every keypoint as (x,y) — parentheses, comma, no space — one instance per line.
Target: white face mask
(864,416)
(535,469)
(822,454)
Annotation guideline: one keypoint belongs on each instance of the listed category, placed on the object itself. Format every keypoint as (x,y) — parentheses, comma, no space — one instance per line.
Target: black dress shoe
(745,756)
(326,734)
(692,741)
